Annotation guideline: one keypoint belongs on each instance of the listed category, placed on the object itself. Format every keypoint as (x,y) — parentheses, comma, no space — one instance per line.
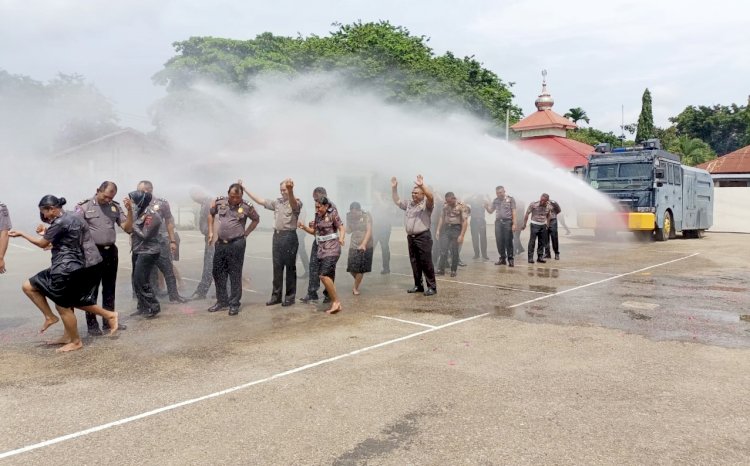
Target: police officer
(381,231)
(286,210)
(418,237)
(314,270)
(451,229)
(168,242)
(478,226)
(232,213)
(517,244)
(5,227)
(540,213)
(207,276)
(101,212)
(552,233)
(504,207)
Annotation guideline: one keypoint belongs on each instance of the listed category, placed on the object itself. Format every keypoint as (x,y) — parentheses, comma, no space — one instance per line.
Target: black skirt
(328,267)
(359,261)
(77,289)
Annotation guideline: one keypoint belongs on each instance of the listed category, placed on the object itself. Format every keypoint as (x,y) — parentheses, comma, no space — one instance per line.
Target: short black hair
(499,187)
(355,205)
(235,187)
(147,183)
(320,190)
(106,184)
(323,200)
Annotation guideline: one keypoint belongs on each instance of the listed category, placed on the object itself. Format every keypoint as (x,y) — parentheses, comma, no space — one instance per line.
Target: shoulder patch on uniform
(84,201)
(116,203)
(220,198)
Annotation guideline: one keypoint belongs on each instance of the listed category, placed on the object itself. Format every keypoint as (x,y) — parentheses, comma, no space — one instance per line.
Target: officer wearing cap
(167,240)
(419,240)
(451,229)
(504,207)
(5,227)
(231,213)
(286,210)
(102,213)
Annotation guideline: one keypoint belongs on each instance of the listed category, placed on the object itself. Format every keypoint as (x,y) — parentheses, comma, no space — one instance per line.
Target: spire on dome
(545,100)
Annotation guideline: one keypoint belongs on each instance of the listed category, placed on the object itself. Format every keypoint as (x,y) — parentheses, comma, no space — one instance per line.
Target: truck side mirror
(659,173)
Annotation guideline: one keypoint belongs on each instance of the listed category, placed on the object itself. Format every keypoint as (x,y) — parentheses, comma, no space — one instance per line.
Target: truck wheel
(664,233)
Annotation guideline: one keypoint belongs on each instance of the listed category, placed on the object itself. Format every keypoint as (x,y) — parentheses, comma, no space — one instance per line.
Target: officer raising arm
(5,227)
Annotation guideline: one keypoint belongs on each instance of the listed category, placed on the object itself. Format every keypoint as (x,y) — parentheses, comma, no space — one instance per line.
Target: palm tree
(577,114)
(693,151)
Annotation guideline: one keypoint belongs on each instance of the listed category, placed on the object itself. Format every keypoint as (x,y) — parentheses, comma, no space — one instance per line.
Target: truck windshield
(621,175)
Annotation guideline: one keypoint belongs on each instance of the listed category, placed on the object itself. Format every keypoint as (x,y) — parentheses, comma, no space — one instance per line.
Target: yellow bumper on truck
(633,221)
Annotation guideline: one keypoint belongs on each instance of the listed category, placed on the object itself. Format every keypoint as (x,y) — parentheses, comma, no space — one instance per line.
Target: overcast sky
(600,54)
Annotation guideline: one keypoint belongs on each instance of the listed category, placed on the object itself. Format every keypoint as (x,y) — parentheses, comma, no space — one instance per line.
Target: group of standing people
(85,254)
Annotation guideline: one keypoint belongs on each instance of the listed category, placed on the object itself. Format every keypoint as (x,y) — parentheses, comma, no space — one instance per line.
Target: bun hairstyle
(51,201)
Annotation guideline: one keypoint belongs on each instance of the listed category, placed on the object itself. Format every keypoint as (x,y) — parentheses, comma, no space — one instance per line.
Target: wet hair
(51,201)
(141,199)
(499,187)
(545,195)
(106,184)
(323,200)
(235,187)
(449,194)
(355,205)
(320,190)
(147,183)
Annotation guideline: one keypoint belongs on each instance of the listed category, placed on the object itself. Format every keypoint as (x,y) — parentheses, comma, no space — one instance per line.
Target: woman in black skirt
(146,250)
(359,226)
(329,233)
(72,279)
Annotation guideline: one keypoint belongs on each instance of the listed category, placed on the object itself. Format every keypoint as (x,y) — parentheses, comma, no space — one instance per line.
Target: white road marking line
(406,321)
(602,281)
(583,271)
(191,401)
(499,287)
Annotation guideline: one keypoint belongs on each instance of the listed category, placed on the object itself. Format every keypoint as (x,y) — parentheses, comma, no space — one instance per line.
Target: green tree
(592,136)
(577,114)
(692,150)
(646,119)
(724,128)
(377,56)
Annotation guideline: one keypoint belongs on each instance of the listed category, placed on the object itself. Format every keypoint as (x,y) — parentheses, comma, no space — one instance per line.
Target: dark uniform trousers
(420,256)
(537,232)
(382,236)
(314,282)
(479,237)
(207,277)
(553,238)
(449,244)
(164,264)
(517,246)
(284,251)
(302,250)
(504,238)
(228,260)
(108,270)
(143,268)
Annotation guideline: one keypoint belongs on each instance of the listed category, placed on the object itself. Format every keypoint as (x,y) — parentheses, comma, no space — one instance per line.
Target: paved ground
(621,352)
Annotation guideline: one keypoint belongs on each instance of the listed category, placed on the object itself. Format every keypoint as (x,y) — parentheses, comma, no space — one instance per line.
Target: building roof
(563,152)
(545,118)
(734,162)
(128,132)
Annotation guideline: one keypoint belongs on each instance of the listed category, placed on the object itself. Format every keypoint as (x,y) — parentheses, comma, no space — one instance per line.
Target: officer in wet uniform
(207,277)
(286,210)
(451,229)
(381,230)
(553,240)
(418,236)
(504,207)
(168,242)
(517,244)
(101,212)
(540,213)
(231,213)
(5,227)
(314,270)
(477,226)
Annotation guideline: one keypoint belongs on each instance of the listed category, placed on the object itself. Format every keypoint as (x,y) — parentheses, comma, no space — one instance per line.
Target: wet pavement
(620,352)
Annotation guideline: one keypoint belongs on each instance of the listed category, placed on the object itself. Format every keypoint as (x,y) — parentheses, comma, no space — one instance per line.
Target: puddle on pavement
(636,315)
(543,272)
(543,288)
(535,314)
(745,317)
(503,311)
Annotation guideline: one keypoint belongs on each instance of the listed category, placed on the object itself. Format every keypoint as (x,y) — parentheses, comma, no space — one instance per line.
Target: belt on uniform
(324,238)
(105,246)
(505,220)
(452,225)
(414,235)
(228,241)
(278,232)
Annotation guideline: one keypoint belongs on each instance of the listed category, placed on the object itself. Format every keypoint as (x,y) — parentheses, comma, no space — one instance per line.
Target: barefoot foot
(113,323)
(335,307)
(63,340)
(72,346)
(48,322)
(355,292)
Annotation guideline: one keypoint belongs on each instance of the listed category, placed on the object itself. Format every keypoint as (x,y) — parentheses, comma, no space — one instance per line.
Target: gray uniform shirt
(454,215)
(145,235)
(356,224)
(232,219)
(4,218)
(284,217)
(539,213)
(555,209)
(417,216)
(504,207)
(161,207)
(101,220)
